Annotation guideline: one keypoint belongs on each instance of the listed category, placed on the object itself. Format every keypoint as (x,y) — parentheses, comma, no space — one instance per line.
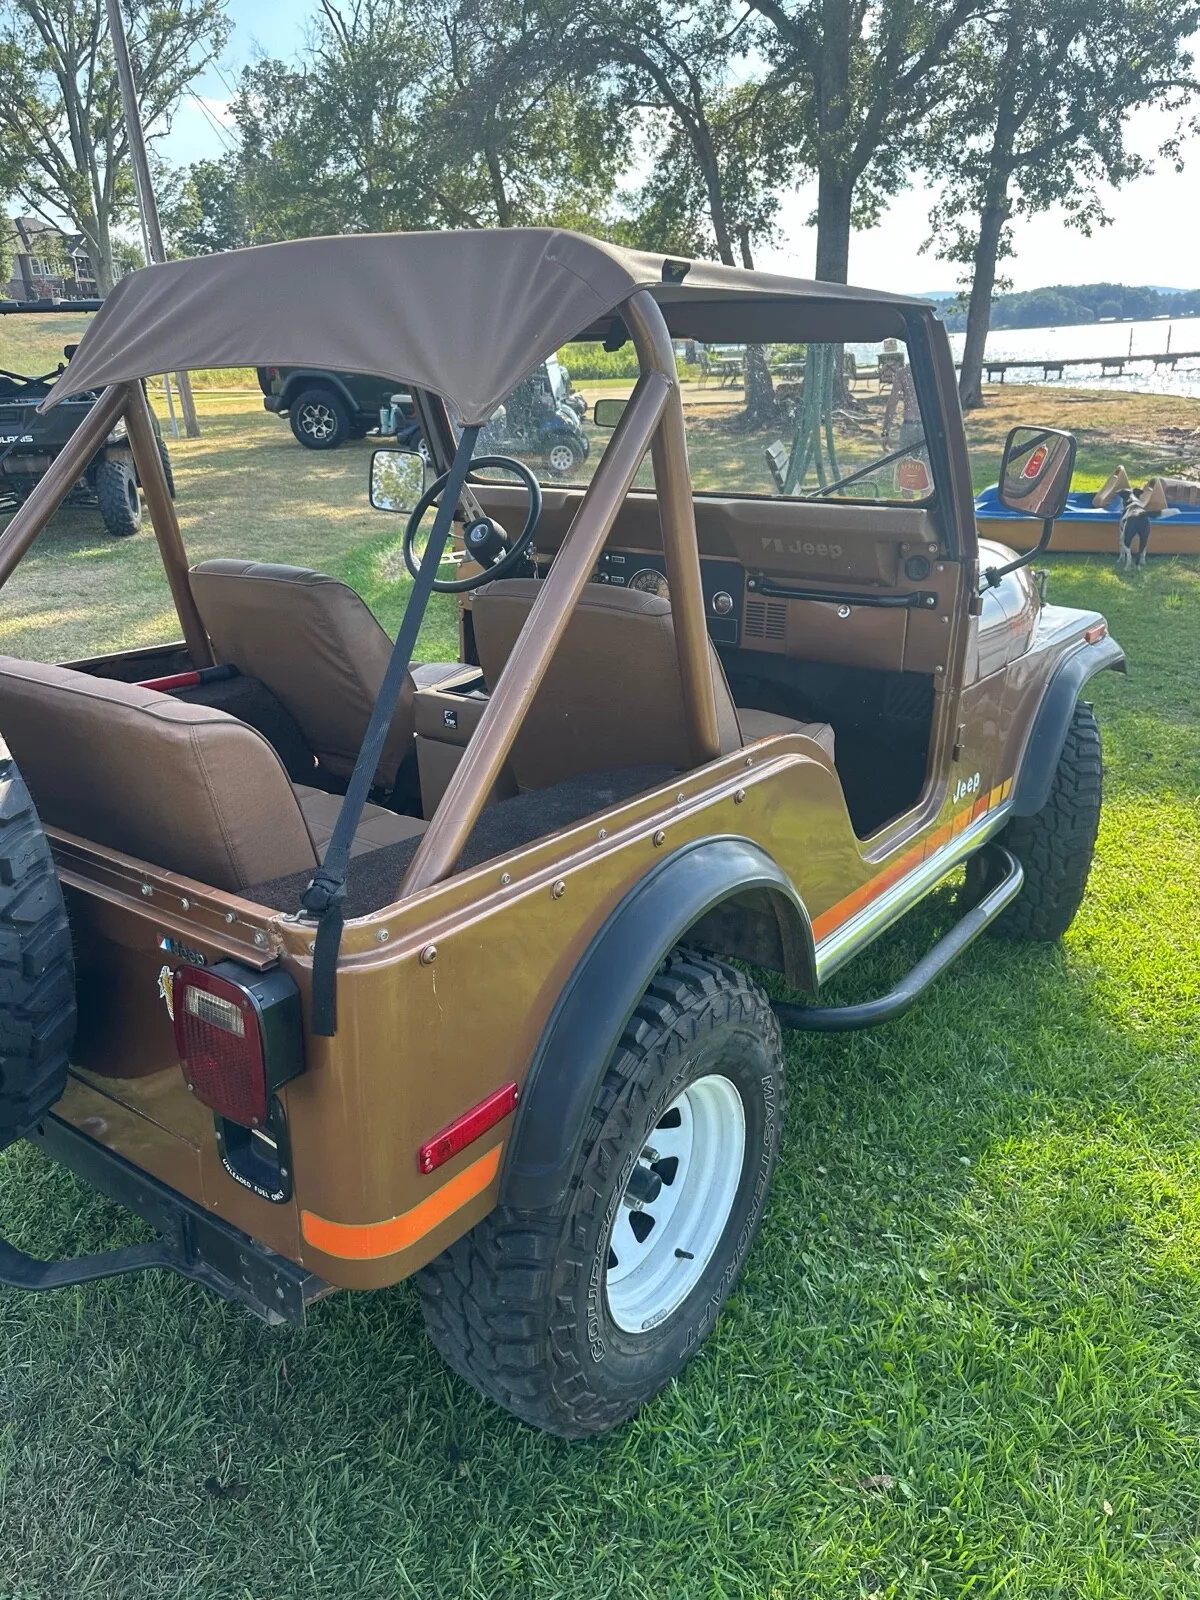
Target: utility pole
(141,180)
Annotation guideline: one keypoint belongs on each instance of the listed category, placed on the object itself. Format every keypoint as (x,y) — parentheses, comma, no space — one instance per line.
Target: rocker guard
(870,1013)
(600,997)
(192,1242)
(1048,735)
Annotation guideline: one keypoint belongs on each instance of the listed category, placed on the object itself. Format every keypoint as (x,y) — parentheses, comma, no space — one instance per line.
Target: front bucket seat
(319,649)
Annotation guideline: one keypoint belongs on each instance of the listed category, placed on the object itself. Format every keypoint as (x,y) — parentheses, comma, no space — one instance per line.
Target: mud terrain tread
(1055,845)
(485,1298)
(112,496)
(37,975)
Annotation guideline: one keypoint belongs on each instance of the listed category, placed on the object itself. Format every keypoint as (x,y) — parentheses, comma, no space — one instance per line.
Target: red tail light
(238,1036)
(466,1129)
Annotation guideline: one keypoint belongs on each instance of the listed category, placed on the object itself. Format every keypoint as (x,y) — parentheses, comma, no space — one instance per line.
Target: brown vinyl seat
(317,646)
(183,786)
(612,695)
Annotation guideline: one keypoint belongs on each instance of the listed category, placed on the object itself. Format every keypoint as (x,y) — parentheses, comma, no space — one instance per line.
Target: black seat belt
(327,889)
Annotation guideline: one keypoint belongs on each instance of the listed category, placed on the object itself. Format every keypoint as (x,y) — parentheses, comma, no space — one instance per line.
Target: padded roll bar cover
(600,997)
(1035,773)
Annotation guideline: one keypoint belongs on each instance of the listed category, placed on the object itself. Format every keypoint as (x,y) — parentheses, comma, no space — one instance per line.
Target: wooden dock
(1110,366)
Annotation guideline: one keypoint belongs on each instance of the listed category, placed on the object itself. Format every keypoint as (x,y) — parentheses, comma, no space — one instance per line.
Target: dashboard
(723,582)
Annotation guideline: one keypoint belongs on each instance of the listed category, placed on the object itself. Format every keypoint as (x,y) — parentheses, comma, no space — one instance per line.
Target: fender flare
(303,378)
(1039,760)
(598,999)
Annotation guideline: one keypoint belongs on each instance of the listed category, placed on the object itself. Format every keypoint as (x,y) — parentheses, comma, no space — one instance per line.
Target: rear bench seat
(181,785)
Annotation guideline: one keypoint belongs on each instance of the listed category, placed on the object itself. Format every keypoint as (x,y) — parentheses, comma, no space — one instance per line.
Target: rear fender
(602,993)
(316,378)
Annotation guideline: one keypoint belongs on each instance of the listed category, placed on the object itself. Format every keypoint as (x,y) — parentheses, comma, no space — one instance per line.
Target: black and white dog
(1134,531)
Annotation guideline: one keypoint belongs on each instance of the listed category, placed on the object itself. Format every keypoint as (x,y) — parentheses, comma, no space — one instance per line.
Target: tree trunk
(499,190)
(979,311)
(835,195)
(98,239)
(762,408)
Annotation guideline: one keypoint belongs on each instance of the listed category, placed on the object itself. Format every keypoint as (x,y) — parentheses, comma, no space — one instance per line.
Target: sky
(1154,238)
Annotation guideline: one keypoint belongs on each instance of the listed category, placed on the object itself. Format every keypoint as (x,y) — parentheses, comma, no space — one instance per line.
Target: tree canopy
(1038,97)
(61,126)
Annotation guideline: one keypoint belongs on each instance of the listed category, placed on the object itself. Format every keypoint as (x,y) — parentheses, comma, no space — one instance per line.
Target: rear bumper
(272,402)
(192,1242)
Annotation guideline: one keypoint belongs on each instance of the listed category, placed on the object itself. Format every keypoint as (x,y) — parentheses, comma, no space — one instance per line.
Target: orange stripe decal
(829,921)
(367,1241)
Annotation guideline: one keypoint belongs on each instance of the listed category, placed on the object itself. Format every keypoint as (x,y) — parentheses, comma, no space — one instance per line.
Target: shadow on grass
(957,1219)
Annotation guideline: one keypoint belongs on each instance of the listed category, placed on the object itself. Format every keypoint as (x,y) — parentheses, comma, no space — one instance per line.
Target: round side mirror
(397,480)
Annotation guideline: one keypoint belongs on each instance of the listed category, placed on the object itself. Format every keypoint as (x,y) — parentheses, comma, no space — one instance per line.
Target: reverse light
(464,1130)
(238,1036)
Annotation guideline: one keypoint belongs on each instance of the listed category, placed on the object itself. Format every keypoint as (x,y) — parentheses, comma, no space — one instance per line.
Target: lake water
(1102,339)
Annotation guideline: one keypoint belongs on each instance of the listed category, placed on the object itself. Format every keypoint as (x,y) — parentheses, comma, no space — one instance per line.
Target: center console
(446,717)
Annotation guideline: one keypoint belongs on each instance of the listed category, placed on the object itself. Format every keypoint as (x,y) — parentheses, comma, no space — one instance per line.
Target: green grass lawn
(964,1359)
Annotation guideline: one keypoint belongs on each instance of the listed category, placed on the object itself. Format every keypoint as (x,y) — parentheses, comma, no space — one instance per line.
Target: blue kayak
(1084,527)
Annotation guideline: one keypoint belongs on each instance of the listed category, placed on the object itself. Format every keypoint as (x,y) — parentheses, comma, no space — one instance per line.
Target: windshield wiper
(863,472)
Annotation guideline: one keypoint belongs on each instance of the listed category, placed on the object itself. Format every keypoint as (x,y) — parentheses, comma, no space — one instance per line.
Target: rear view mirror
(1035,474)
(607,413)
(397,480)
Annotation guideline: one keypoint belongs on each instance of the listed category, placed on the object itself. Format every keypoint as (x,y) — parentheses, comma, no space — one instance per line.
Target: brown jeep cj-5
(339,969)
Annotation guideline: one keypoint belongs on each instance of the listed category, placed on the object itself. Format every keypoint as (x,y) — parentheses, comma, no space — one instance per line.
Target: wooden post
(141,177)
(166,523)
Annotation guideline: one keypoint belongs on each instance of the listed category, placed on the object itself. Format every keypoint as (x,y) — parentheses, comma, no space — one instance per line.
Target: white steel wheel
(561,459)
(677,1204)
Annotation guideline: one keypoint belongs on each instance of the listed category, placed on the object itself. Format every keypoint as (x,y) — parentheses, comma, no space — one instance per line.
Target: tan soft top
(466,314)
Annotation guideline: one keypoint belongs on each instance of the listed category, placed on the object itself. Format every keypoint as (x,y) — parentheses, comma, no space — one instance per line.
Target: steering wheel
(484,541)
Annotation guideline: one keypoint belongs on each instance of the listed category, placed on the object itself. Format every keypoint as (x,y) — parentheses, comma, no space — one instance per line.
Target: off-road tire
(518,1306)
(319,419)
(118,498)
(37,975)
(165,458)
(1055,845)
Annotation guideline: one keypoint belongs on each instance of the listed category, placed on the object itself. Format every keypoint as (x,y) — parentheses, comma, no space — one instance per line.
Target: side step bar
(868,1013)
(192,1242)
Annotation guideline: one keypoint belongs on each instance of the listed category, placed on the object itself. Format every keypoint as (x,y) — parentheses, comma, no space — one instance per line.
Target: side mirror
(397,480)
(1035,479)
(1035,474)
(607,413)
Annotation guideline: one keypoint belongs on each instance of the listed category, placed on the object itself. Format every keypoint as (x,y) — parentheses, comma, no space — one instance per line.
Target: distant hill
(1063,305)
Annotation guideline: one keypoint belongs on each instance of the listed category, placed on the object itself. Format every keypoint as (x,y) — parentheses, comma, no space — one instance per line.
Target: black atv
(29,442)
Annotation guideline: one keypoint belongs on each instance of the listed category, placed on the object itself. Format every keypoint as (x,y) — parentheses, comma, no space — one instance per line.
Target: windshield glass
(810,421)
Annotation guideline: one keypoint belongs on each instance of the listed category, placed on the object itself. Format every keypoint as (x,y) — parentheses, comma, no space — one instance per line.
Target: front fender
(602,993)
(1031,790)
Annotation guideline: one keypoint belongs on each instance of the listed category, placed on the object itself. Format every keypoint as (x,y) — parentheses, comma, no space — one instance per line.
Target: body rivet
(603,833)
(659,836)
(260,940)
(147,890)
(185,904)
(229,917)
(429,955)
(557,889)
(506,877)
(738,796)
(749,761)
(382,935)
(680,797)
